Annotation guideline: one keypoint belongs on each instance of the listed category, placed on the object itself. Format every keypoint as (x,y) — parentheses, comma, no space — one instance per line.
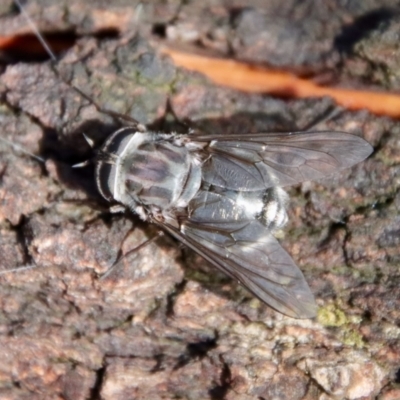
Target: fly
(222,196)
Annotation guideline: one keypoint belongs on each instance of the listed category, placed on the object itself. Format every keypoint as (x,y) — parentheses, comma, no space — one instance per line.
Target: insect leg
(170,110)
(331,113)
(137,248)
(131,121)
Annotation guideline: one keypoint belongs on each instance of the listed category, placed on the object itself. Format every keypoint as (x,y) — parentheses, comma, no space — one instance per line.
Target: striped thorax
(150,173)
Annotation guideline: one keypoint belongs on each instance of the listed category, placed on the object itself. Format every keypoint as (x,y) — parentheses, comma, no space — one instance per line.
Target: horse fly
(222,196)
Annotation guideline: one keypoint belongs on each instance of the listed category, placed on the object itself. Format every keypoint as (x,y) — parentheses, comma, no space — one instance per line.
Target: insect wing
(261,161)
(244,249)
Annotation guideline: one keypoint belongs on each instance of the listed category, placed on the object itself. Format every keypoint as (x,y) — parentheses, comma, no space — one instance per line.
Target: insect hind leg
(121,257)
(331,113)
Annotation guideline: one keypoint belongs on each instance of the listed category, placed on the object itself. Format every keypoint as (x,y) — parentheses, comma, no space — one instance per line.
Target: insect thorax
(148,172)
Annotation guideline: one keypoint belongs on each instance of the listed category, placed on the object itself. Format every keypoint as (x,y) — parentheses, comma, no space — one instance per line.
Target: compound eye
(105,179)
(106,166)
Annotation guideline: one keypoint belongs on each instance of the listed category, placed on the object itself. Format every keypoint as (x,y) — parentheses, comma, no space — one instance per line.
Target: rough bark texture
(165,324)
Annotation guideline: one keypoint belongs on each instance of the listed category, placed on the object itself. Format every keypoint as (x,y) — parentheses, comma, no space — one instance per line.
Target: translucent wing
(219,230)
(260,161)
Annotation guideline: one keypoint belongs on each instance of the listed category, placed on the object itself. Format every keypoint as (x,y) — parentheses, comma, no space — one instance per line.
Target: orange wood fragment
(249,78)
(239,75)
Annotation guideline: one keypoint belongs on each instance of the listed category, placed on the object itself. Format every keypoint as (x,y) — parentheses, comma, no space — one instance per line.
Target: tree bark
(165,324)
